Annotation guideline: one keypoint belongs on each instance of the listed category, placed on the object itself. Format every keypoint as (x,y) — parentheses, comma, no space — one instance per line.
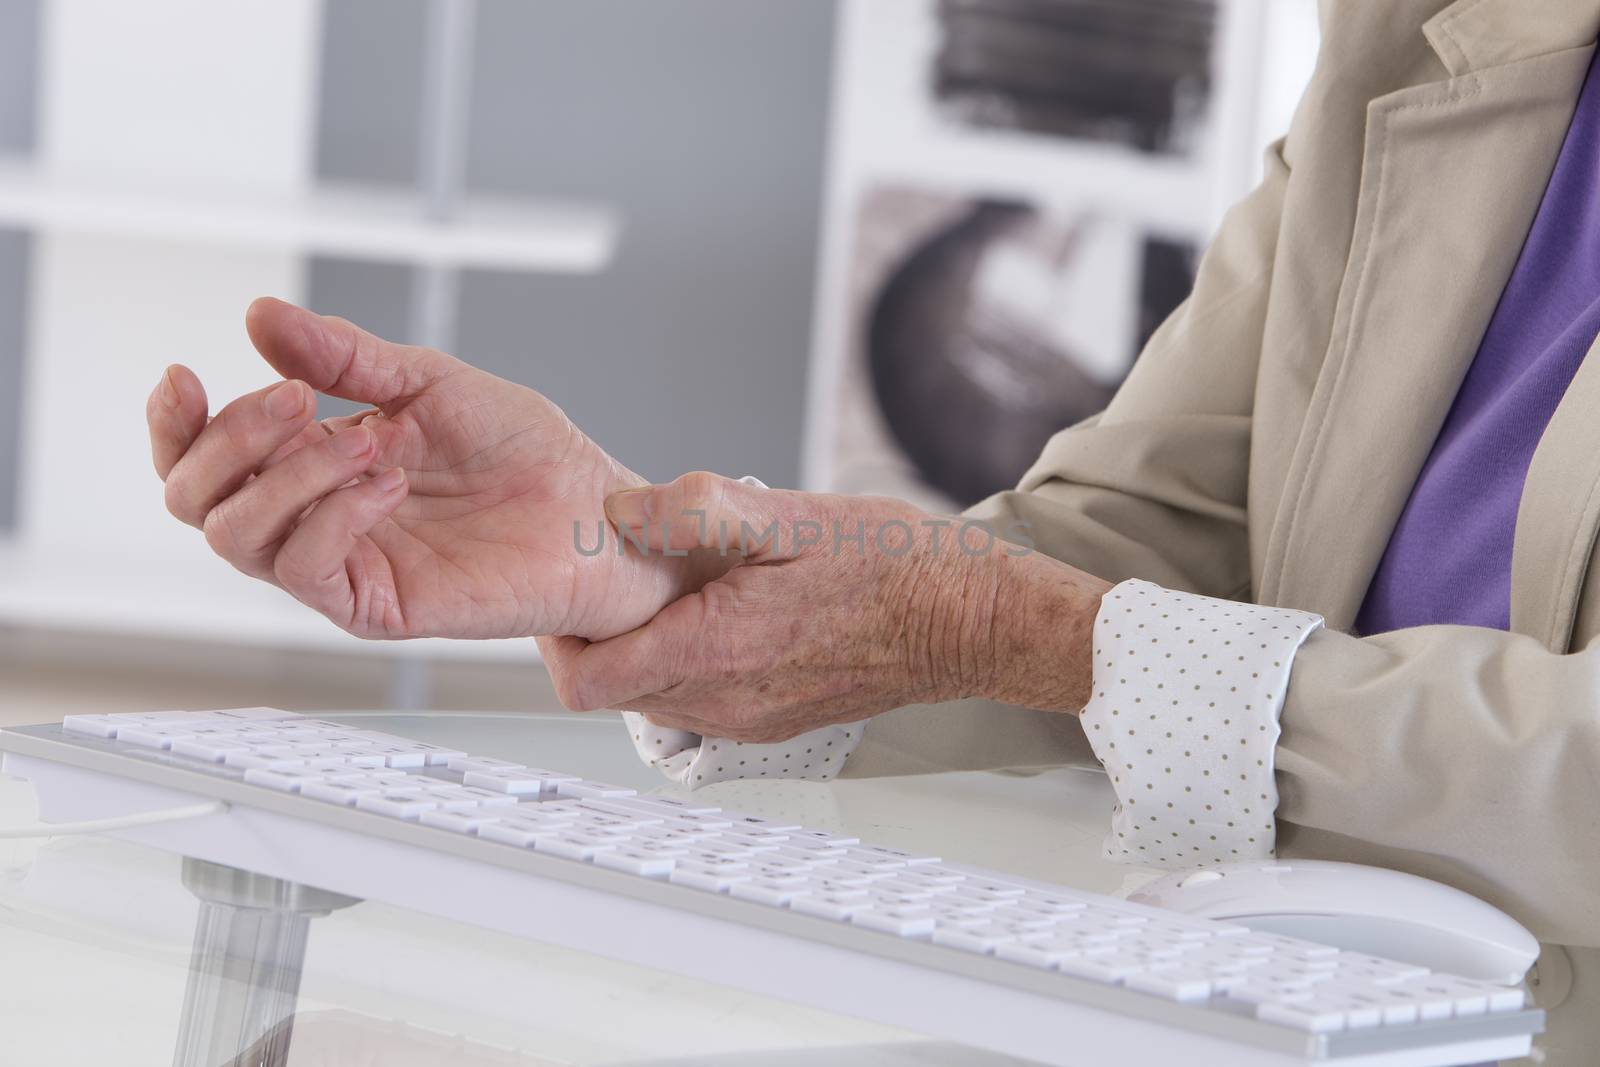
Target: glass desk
(114,953)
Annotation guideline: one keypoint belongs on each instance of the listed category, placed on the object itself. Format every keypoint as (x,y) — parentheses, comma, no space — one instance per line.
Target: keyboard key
(571,846)
(255,714)
(671,805)
(768,891)
(364,775)
(479,763)
(437,755)
(511,831)
(1179,984)
(523,782)
(356,754)
(818,841)
(157,736)
(902,922)
(397,804)
(760,824)
(254,760)
(978,940)
(210,748)
(166,716)
(93,725)
(1034,954)
(332,792)
(281,781)
(800,859)
(319,757)
(714,879)
(636,861)
(1109,968)
(837,907)
(580,788)
(1308,1015)
(466,822)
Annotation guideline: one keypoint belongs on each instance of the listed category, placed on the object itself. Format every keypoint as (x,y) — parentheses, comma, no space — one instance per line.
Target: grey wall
(19,40)
(371,86)
(703,122)
(19,64)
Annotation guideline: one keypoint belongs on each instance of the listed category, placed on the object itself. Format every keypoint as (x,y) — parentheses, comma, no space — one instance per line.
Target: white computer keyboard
(670,882)
(812,872)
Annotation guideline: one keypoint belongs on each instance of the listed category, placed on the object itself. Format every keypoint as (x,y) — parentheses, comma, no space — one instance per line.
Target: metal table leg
(244,973)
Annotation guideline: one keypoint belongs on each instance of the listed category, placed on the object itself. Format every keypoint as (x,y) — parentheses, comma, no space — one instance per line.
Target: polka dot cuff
(1184,716)
(694,761)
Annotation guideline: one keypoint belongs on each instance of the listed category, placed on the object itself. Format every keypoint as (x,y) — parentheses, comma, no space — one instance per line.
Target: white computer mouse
(1363,909)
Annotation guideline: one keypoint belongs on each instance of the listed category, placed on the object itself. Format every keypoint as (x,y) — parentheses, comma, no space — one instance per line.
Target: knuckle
(290,570)
(576,692)
(227,536)
(177,500)
(238,425)
(219,532)
(700,491)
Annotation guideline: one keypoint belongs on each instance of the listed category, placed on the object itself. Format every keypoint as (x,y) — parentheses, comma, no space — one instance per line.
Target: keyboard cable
(116,822)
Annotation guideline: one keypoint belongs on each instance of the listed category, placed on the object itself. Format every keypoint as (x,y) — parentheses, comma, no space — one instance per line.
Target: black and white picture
(980,327)
(1134,72)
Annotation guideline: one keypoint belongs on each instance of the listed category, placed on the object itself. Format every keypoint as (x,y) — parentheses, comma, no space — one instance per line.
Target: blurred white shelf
(196,600)
(353,221)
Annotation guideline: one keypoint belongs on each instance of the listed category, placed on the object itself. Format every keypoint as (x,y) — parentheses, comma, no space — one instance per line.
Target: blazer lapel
(1452,176)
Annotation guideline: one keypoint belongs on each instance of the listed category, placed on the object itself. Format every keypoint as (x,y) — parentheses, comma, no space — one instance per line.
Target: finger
(315,433)
(233,446)
(639,663)
(339,358)
(176,413)
(311,565)
(703,510)
(247,528)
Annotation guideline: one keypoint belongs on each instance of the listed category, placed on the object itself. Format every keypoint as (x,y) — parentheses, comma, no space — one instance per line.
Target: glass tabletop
(112,950)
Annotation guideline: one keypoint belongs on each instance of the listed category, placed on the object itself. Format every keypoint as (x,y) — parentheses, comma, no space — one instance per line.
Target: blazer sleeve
(1467,755)
(1155,486)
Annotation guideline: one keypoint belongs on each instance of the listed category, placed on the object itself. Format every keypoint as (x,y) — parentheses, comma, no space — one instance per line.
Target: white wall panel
(188,91)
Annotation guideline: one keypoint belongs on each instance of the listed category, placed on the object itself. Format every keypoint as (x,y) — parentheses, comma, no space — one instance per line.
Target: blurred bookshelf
(340,219)
(156,208)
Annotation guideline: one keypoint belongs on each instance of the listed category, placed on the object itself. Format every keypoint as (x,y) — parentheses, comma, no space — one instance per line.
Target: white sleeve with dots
(1183,713)
(692,760)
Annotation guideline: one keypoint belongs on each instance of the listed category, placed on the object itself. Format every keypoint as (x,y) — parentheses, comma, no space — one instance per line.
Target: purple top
(1449,557)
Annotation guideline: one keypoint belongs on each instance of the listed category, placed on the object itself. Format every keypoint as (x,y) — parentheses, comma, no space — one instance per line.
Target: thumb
(337,357)
(702,510)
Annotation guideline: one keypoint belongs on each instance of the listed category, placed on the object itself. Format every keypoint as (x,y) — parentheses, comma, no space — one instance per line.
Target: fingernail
(168,389)
(390,480)
(286,401)
(627,508)
(352,442)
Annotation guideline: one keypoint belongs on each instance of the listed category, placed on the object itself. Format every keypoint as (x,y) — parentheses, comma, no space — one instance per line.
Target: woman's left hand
(844,607)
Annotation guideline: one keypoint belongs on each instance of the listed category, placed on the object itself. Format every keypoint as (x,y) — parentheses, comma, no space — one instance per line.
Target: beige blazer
(1270,434)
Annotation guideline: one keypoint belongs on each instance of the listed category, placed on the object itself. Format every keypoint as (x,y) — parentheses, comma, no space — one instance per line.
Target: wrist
(1015,628)
(947,623)
(1043,634)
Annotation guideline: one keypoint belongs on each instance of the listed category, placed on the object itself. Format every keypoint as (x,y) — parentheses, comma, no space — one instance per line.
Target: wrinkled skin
(472,538)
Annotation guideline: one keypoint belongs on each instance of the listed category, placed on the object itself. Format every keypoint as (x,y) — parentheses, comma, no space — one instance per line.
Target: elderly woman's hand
(458,505)
(844,607)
